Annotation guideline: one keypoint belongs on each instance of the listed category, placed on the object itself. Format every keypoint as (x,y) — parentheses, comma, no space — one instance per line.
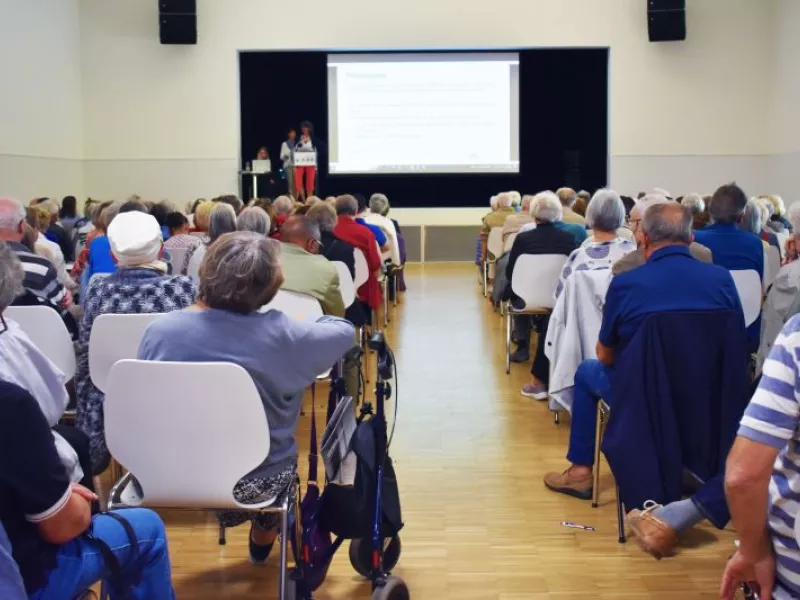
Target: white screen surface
(423,113)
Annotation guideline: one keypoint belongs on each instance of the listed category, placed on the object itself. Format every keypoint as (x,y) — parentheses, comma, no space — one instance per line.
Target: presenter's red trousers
(307,174)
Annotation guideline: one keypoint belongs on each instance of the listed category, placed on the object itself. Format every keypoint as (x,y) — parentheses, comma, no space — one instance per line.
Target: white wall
(164,121)
(41,125)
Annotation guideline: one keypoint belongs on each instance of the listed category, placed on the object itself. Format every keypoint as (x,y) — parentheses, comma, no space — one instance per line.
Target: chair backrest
(510,241)
(114,338)
(748,284)
(299,306)
(494,243)
(178,255)
(362,268)
(535,278)
(772,264)
(187,431)
(47,331)
(346,283)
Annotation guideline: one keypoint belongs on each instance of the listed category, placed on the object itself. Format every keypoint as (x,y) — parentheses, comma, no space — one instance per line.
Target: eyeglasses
(320,245)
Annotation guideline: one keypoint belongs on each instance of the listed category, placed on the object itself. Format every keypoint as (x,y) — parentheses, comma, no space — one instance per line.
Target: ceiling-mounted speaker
(666,20)
(177,21)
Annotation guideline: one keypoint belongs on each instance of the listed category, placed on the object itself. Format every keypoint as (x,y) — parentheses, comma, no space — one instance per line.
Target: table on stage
(251,181)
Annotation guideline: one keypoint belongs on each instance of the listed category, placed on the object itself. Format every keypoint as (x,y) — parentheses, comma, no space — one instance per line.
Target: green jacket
(312,274)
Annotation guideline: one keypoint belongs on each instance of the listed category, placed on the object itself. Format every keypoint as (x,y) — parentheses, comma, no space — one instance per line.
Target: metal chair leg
(555,417)
(508,342)
(620,519)
(284,543)
(222,540)
(598,432)
(485,279)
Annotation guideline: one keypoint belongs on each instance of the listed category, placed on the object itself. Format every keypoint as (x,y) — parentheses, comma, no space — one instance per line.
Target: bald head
(666,225)
(301,231)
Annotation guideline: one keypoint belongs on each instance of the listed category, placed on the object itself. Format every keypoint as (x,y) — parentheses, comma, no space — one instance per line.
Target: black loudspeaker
(666,20)
(177,21)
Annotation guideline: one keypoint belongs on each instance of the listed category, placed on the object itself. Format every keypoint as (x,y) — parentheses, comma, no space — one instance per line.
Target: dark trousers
(522,328)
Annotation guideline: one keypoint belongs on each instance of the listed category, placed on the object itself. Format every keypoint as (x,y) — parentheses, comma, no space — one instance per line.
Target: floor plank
(470,453)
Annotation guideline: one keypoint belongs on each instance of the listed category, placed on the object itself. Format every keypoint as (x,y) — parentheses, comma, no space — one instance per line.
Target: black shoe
(520,355)
(258,553)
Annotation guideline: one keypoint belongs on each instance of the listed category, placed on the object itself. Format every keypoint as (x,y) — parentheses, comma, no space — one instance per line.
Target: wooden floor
(470,453)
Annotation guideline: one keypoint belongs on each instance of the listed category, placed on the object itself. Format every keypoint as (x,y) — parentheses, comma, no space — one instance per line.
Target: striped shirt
(773,418)
(41,278)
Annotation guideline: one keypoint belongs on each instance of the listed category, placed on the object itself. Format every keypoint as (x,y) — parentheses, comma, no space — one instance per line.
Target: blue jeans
(592,382)
(146,569)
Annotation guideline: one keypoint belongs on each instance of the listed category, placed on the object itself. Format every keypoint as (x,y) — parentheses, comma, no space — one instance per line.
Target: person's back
(313,275)
(280,353)
(335,249)
(733,248)
(100,259)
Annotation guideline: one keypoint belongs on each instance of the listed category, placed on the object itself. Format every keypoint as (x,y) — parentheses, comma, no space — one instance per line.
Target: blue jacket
(678,392)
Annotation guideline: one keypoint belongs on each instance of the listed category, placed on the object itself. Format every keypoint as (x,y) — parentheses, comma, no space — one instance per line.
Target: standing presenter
(305,173)
(287,156)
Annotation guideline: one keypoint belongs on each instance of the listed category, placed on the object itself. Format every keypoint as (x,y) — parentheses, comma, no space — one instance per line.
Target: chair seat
(529,311)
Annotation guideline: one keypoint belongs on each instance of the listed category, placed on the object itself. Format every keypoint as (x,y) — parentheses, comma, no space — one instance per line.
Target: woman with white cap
(139,285)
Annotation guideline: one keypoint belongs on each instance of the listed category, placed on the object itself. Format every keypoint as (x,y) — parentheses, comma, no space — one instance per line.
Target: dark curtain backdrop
(563,126)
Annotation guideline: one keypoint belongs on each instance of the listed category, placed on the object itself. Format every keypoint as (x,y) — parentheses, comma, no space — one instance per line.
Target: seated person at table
(545,239)
(305,270)
(361,238)
(605,215)
(140,285)
(733,248)
(241,273)
(46,517)
(636,259)
(671,280)
(180,238)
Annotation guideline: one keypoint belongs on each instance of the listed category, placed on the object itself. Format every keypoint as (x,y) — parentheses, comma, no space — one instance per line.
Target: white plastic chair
(494,248)
(534,280)
(748,284)
(178,255)
(164,424)
(114,338)
(362,268)
(48,333)
(510,242)
(346,283)
(772,264)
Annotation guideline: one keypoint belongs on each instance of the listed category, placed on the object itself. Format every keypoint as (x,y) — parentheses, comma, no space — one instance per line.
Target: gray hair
(12,213)
(668,222)
(283,205)
(503,200)
(605,212)
(324,215)
(221,221)
(646,202)
(347,205)
(727,204)
(11,276)
(111,213)
(751,219)
(379,204)
(694,202)
(793,216)
(767,210)
(241,272)
(253,218)
(546,208)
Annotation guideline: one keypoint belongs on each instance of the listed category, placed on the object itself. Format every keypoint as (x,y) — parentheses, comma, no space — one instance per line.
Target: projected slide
(423,113)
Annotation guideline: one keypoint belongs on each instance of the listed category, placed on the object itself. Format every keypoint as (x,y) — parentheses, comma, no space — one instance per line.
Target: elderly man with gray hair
(241,273)
(567,196)
(545,239)
(670,281)
(637,258)
(378,209)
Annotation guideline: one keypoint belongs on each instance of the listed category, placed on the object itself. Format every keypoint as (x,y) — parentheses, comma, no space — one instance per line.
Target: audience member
(361,238)
(501,209)
(604,215)
(253,219)
(378,204)
(363,211)
(765,232)
(629,204)
(790,249)
(305,270)
(202,218)
(55,232)
(160,211)
(733,248)
(696,205)
(100,259)
(241,273)
(98,228)
(179,236)
(41,278)
(778,222)
(751,222)
(545,239)
(283,207)
(39,220)
(567,196)
(68,214)
(139,286)
(636,259)
(233,201)
(332,248)
(514,223)
(222,220)
(762,478)
(669,281)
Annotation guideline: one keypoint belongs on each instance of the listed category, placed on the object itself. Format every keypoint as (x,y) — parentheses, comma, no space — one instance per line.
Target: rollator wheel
(394,589)
(361,555)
